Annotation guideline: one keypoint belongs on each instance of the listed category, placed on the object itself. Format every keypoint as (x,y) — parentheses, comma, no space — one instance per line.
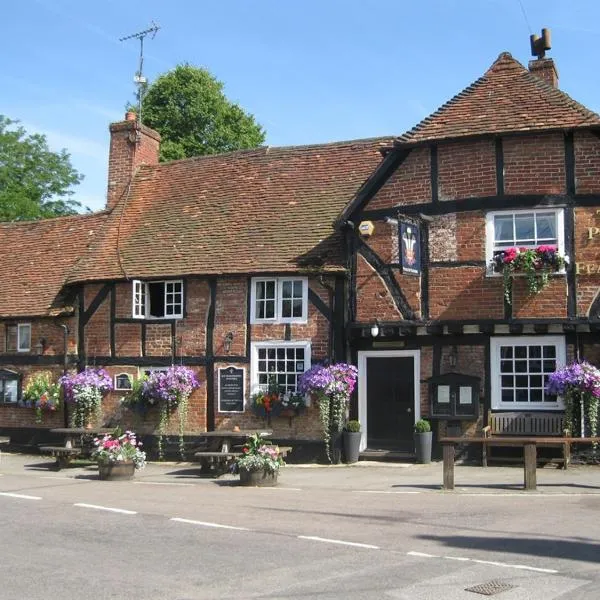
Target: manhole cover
(491,588)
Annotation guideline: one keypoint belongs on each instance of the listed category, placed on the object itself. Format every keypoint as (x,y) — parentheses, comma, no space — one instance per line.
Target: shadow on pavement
(574,549)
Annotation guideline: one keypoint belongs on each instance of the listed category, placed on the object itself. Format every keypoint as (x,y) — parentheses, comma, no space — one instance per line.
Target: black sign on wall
(232,384)
(410,248)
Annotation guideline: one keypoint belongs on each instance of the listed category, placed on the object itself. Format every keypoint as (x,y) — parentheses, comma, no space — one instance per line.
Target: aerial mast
(139,79)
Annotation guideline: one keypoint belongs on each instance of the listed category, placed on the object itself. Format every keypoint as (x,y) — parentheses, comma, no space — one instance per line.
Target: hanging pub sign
(231,389)
(410,248)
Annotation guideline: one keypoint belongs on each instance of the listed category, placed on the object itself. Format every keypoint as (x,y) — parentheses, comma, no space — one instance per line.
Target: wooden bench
(63,454)
(543,424)
(218,462)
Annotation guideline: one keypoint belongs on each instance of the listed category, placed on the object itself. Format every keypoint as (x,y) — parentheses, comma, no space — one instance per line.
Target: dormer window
(158,299)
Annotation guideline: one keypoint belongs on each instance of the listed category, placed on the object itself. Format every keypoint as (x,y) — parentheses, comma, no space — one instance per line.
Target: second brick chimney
(545,69)
(131,145)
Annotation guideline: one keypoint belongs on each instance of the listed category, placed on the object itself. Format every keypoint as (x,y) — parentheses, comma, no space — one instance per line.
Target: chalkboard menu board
(231,389)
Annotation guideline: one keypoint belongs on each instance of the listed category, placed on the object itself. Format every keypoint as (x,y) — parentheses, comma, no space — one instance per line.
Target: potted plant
(260,462)
(352,437)
(42,394)
(535,263)
(84,392)
(266,403)
(579,385)
(118,456)
(292,405)
(333,386)
(422,438)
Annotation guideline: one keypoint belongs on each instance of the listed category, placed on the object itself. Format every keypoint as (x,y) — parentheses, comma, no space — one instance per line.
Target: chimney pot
(130,116)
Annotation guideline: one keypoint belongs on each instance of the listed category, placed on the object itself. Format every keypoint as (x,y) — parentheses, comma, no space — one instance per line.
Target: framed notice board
(232,387)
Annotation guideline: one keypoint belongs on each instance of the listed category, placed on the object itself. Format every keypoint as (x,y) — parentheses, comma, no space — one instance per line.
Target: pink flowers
(113,448)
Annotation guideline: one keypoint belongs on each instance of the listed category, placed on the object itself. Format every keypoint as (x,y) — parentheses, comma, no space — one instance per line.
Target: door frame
(362,384)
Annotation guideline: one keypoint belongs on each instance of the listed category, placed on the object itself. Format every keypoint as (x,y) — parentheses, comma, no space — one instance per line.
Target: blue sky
(309,70)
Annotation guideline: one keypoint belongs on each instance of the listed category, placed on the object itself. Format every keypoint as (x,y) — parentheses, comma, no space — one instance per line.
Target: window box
(520,367)
(279,300)
(158,299)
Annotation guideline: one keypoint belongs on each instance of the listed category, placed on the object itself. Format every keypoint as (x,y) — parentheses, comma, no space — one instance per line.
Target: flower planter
(119,471)
(352,446)
(258,478)
(423,447)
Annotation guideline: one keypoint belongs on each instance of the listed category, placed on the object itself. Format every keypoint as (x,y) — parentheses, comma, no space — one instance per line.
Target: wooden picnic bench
(77,443)
(529,444)
(542,424)
(221,461)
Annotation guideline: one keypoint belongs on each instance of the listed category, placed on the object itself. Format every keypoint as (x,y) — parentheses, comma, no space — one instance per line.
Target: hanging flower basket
(536,264)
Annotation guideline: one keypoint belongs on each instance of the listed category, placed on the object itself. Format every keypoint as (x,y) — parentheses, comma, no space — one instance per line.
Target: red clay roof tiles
(508,98)
(36,257)
(252,211)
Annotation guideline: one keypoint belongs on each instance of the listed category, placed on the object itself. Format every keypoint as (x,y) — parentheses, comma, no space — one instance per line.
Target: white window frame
(490,232)
(278,318)
(140,299)
(20,328)
(8,375)
(255,346)
(122,389)
(495,374)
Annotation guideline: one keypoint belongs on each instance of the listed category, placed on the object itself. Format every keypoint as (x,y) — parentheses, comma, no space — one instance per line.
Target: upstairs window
(18,337)
(9,386)
(158,299)
(524,229)
(279,300)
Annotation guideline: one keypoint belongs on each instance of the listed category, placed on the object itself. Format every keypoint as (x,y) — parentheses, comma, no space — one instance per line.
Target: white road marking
(383,492)
(341,542)
(494,563)
(23,496)
(206,524)
(62,477)
(106,508)
(524,494)
(163,483)
(281,489)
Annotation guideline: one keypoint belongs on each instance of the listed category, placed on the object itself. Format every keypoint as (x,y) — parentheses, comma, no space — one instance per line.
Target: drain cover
(491,588)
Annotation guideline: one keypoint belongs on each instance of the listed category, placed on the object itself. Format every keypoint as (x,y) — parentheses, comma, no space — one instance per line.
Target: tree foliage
(188,108)
(35,182)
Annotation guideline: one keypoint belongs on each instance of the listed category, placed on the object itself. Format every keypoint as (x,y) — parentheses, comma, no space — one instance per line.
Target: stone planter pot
(352,446)
(423,447)
(258,478)
(121,471)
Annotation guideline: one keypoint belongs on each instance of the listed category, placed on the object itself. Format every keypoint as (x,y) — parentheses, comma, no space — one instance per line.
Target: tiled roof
(261,210)
(36,257)
(508,98)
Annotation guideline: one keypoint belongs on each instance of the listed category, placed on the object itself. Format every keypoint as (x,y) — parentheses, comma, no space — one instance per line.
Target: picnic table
(223,446)
(529,443)
(76,442)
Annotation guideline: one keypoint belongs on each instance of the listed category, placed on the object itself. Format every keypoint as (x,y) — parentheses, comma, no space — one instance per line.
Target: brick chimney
(131,145)
(545,69)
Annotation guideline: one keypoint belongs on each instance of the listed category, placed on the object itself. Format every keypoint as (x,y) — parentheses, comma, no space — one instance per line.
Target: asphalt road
(366,532)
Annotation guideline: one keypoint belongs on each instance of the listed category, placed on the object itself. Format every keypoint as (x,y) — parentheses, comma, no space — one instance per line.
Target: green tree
(188,108)
(34,181)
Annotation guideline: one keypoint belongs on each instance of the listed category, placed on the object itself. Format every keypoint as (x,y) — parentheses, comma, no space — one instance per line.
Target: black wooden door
(390,402)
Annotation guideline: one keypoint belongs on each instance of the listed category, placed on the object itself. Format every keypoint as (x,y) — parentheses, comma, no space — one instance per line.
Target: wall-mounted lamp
(453,357)
(40,346)
(227,342)
(375,329)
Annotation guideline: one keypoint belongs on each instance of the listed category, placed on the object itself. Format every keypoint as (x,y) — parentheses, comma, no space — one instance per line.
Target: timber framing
(385,272)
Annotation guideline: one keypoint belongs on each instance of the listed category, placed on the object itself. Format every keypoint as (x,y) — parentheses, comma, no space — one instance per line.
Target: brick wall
(534,164)
(466,170)
(586,261)
(587,162)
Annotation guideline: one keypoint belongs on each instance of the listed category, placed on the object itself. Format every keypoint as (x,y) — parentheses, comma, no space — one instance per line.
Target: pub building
(383,252)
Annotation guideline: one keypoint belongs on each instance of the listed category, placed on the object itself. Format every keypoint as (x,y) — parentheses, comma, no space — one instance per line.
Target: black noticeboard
(231,389)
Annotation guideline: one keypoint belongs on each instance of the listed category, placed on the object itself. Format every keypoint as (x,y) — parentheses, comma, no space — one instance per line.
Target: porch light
(40,346)
(452,358)
(375,329)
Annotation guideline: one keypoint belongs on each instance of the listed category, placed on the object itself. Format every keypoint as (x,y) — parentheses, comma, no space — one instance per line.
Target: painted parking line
(208,524)
(279,489)
(22,496)
(340,542)
(384,492)
(122,511)
(494,563)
